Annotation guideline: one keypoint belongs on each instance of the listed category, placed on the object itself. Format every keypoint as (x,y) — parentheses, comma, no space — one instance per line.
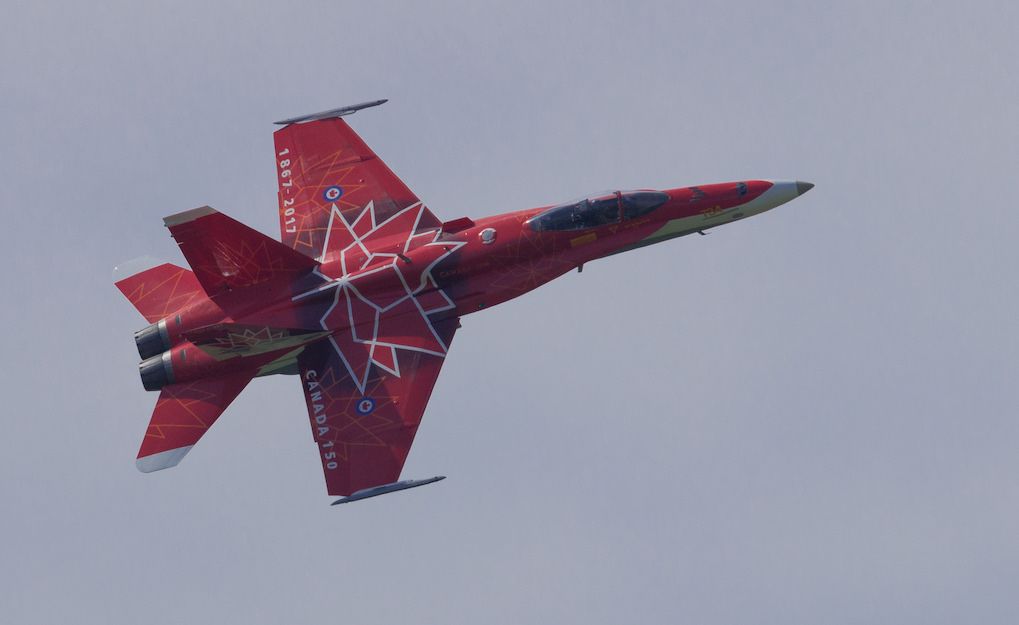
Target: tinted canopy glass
(599,210)
(640,203)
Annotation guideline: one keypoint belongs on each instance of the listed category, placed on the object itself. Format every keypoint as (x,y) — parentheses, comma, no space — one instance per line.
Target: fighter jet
(363,294)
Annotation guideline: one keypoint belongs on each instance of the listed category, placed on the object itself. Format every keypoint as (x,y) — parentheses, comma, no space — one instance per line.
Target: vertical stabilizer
(225,254)
(157,289)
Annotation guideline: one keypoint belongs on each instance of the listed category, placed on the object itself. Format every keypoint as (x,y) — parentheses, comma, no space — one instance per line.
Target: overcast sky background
(807,417)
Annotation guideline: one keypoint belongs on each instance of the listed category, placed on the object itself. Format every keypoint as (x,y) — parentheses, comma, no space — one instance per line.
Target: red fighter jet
(364,294)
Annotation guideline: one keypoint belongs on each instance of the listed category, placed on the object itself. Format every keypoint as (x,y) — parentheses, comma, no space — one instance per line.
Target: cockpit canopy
(598,210)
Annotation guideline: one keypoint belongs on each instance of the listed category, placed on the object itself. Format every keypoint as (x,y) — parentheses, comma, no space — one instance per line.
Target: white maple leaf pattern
(384,289)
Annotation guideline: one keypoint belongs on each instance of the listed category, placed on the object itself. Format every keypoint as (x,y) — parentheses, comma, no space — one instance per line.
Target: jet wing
(364,429)
(323,164)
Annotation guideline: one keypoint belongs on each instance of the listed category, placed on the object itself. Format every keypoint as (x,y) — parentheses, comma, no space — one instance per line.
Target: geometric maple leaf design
(245,339)
(384,289)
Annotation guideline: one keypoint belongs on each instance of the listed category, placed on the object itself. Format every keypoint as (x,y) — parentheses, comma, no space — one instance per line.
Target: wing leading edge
(322,165)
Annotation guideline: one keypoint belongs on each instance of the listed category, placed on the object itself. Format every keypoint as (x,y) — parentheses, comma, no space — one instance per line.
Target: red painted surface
(363,296)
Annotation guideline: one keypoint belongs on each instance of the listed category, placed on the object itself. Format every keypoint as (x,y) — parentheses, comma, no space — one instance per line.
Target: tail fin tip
(225,254)
(134,267)
(191,215)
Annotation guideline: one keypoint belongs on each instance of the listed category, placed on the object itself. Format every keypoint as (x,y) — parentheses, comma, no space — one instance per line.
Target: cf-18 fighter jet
(362,297)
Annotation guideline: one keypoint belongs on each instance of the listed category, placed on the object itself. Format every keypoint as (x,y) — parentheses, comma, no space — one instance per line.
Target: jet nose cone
(803,187)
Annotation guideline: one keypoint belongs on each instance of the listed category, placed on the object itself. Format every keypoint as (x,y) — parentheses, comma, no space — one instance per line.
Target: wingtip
(375,491)
(338,112)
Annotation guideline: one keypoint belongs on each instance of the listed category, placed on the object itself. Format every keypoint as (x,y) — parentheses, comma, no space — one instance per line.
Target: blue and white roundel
(365,407)
(332,194)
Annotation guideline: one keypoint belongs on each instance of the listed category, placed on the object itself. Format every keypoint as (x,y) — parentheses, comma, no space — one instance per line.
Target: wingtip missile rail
(340,112)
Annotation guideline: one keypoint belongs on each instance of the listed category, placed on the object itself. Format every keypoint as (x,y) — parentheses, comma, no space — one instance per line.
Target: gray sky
(807,417)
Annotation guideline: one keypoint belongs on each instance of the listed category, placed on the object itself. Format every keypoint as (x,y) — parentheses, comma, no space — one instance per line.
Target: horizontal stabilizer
(183,414)
(225,254)
(387,488)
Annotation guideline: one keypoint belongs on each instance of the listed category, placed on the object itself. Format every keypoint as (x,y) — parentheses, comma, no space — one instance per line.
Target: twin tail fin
(224,254)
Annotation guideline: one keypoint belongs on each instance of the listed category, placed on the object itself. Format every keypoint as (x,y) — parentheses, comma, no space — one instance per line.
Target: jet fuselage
(362,294)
